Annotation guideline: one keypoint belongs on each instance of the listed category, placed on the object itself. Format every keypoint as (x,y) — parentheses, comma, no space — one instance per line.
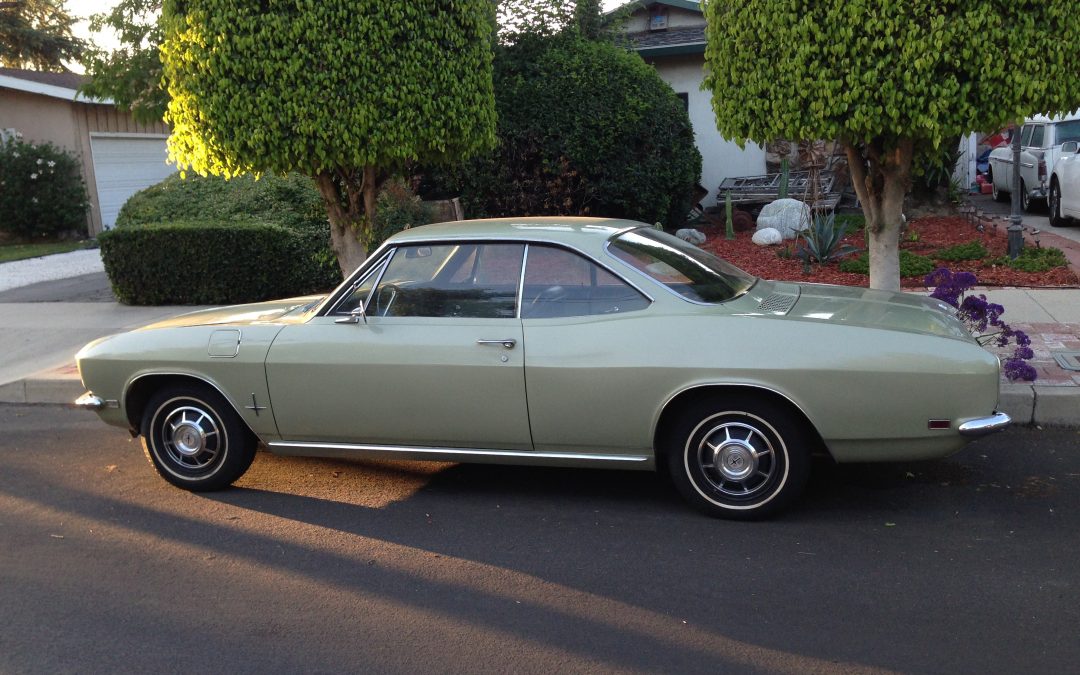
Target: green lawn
(22,251)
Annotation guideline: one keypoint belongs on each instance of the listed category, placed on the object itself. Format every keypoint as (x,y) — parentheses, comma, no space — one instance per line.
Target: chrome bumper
(90,402)
(985,425)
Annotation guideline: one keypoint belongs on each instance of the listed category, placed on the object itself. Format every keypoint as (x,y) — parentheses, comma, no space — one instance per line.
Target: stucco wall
(68,125)
(720,158)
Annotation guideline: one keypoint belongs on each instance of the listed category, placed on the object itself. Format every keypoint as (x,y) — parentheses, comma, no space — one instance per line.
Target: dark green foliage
(41,191)
(208,263)
(36,34)
(291,201)
(973,250)
(584,128)
(823,241)
(1034,259)
(131,74)
(911,264)
(852,221)
(398,209)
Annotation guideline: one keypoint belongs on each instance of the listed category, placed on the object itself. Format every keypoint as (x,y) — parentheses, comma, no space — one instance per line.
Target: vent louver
(778,303)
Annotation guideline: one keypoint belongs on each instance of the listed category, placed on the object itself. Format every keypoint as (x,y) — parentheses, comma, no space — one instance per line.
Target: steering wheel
(383,302)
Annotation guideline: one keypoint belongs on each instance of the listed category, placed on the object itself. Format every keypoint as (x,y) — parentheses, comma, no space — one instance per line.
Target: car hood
(864,307)
(291,310)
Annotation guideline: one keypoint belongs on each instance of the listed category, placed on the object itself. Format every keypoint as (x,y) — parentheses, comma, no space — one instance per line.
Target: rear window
(683,268)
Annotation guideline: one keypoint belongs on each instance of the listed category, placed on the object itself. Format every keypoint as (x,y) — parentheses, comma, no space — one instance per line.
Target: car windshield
(681,267)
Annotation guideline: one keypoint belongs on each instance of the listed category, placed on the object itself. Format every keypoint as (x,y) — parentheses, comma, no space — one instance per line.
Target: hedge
(211,263)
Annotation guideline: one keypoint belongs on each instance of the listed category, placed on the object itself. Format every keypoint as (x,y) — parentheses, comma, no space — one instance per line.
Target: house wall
(721,158)
(69,125)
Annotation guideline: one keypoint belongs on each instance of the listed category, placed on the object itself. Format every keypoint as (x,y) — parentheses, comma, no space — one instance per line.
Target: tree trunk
(881,176)
(343,194)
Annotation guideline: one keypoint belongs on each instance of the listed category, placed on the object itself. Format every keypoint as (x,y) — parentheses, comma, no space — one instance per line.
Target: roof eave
(50,90)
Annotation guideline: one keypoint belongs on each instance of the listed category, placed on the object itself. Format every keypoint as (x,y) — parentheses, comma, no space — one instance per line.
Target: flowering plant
(42,193)
(981,316)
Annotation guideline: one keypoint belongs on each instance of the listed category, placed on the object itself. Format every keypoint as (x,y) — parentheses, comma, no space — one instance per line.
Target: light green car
(560,342)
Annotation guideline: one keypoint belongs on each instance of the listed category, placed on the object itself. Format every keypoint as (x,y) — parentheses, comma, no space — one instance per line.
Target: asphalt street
(967,565)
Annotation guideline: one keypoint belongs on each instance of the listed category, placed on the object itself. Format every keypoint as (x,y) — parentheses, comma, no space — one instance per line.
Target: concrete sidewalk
(39,337)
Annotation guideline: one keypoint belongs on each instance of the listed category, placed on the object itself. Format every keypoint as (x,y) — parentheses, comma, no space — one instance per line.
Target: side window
(560,283)
(451,280)
(1037,136)
(1025,135)
(361,292)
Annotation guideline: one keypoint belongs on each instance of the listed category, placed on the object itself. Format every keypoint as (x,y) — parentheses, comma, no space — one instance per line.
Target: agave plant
(823,243)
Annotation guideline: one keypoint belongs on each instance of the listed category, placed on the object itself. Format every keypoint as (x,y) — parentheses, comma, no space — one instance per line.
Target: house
(119,156)
(670,36)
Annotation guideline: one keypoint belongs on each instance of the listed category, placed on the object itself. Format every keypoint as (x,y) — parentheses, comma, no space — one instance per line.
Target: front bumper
(90,402)
(985,425)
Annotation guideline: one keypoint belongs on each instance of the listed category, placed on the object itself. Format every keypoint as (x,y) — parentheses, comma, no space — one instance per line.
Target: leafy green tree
(889,79)
(345,91)
(36,34)
(130,75)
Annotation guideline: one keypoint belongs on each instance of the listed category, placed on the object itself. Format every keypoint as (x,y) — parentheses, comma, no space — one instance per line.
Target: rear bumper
(985,425)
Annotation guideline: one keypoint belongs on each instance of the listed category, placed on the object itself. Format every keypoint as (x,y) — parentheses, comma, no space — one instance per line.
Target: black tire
(1025,198)
(194,439)
(757,464)
(999,195)
(1053,203)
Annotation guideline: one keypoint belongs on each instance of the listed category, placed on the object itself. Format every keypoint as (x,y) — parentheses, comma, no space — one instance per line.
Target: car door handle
(505,342)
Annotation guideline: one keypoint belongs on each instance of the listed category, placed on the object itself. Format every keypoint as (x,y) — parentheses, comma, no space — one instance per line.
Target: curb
(42,390)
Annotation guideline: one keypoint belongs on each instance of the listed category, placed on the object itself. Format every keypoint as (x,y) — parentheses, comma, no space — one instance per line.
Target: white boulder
(695,237)
(789,216)
(767,236)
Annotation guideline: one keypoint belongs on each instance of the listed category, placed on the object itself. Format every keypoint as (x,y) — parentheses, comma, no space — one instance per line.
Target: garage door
(122,167)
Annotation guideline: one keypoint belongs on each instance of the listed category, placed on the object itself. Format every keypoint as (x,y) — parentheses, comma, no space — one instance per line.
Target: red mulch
(934,233)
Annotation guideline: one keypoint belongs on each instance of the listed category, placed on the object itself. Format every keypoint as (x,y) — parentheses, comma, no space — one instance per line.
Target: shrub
(1034,259)
(399,209)
(291,201)
(911,264)
(823,241)
(973,250)
(585,128)
(42,193)
(215,263)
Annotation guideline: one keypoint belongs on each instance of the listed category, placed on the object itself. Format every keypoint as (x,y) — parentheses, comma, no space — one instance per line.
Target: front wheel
(1054,202)
(194,439)
(739,459)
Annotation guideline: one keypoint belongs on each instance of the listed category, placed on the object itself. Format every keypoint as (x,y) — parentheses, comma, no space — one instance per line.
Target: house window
(658,18)
(685,98)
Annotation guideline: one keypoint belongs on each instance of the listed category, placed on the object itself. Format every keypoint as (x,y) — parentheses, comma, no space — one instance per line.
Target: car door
(435,361)
(587,332)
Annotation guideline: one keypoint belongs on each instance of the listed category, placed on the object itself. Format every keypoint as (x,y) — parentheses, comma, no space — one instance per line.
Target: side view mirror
(354,316)
(1070,147)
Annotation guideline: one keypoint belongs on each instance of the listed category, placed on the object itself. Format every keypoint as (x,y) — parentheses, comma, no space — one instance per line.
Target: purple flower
(1017,369)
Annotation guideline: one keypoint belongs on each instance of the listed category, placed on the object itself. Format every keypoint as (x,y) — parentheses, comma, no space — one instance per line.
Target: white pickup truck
(1040,146)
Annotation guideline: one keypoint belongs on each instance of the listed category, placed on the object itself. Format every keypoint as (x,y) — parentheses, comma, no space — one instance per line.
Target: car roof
(1043,119)
(559,229)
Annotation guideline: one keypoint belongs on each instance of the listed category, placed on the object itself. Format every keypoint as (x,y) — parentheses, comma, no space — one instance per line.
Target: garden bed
(925,237)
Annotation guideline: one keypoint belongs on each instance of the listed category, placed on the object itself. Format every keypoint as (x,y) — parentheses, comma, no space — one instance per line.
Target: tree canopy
(131,74)
(345,91)
(36,35)
(889,79)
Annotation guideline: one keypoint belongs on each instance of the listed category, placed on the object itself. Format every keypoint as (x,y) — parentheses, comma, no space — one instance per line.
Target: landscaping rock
(767,236)
(695,237)
(789,216)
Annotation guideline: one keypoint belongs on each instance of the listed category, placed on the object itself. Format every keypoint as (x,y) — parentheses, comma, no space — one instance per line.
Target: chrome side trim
(457,452)
(521,280)
(747,385)
(90,402)
(200,378)
(985,425)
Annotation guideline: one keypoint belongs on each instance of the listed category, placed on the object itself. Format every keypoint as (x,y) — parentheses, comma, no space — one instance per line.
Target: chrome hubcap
(736,458)
(191,437)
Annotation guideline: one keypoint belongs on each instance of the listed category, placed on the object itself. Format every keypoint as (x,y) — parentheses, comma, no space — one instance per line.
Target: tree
(889,79)
(36,34)
(345,91)
(130,75)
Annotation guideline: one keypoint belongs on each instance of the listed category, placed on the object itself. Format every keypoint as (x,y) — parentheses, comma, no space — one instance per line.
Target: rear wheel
(194,439)
(1025,199)
(999,195)
(739,458)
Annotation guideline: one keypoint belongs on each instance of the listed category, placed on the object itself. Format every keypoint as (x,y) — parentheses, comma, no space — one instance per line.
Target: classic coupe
(555,341)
